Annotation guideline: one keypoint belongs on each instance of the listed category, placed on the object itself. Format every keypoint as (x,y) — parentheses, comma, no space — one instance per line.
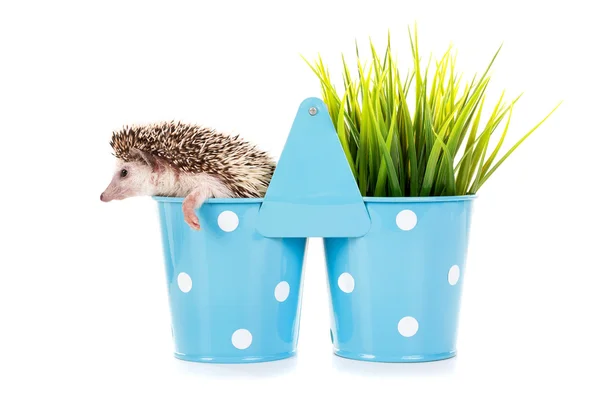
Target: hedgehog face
(131,179)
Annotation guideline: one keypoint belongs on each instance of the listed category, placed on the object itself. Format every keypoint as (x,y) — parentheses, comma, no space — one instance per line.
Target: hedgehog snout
(105,197)
(110,193)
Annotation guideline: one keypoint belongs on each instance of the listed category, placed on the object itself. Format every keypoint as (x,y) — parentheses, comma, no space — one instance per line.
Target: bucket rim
(428,199)
(367,200)
(166,199)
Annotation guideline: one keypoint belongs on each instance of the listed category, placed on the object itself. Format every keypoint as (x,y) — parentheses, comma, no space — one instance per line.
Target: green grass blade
(341,131)
(513,148)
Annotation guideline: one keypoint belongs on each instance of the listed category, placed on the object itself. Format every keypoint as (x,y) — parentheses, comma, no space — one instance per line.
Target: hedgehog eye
(123,173)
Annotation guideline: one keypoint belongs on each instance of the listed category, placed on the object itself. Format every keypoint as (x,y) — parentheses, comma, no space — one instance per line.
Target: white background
(84,312)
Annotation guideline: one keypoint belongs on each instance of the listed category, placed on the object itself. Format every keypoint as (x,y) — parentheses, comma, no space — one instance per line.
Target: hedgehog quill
(175,159)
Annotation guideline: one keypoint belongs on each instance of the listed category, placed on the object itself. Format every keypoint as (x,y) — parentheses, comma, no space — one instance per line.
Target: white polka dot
(228,221)
(282,291)
(185,282)
(406,220)
(408,326)
(241,339)
(453,275)
(346,282)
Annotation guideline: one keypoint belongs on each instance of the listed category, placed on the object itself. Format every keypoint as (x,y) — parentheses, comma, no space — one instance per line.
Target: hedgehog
(176,159)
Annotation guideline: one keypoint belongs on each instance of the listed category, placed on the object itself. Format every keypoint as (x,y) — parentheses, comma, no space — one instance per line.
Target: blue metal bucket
(395,292)
(234,295)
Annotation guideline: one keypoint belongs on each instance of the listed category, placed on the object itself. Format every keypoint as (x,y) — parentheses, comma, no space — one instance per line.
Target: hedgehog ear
(145,156)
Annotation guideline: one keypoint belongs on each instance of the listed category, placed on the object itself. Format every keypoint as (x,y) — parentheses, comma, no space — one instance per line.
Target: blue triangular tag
(313,192)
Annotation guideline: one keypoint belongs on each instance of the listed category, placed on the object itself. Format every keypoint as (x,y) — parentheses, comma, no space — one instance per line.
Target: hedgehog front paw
(190,217)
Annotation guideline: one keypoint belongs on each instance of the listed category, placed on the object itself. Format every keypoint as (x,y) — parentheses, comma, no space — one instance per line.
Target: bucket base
(395,359)
(234,360)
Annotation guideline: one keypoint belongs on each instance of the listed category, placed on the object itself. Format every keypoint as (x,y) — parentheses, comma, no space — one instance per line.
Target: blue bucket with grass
(395,265)
(234,295)
(395,292)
